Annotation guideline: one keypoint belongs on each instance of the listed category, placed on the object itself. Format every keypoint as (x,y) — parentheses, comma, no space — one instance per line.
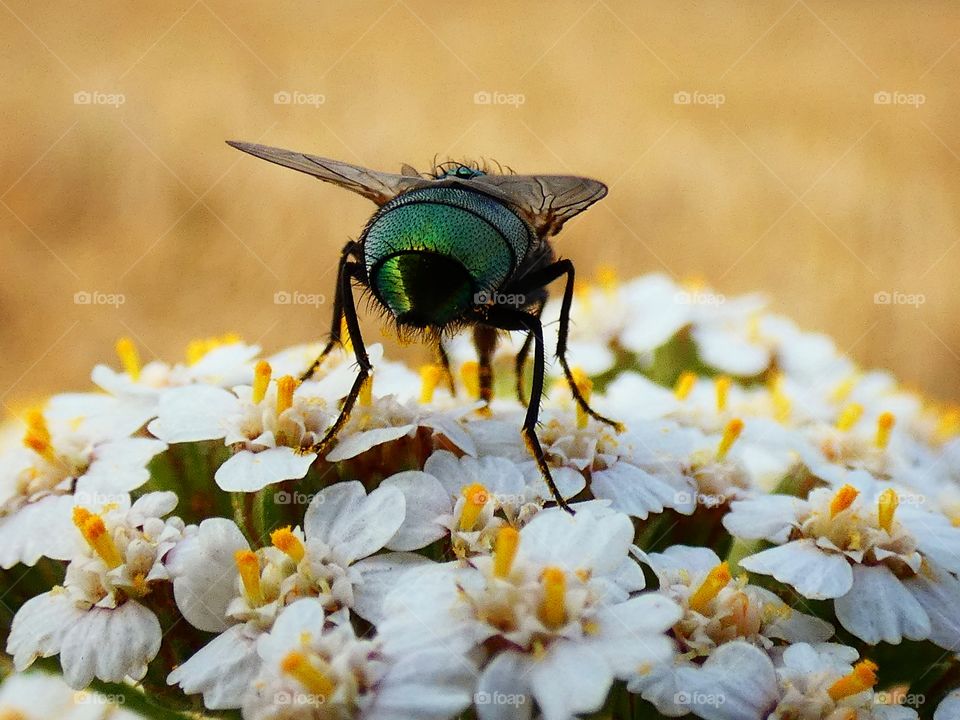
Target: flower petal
(879,608)
(813,573)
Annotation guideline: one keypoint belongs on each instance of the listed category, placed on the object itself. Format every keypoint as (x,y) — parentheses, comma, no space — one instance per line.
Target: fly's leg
(347,273)
(337,322)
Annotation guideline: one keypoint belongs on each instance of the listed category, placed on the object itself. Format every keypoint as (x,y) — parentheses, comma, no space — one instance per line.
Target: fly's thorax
(430,252)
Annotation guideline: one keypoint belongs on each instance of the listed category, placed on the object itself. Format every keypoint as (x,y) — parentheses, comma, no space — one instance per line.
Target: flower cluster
(771,532)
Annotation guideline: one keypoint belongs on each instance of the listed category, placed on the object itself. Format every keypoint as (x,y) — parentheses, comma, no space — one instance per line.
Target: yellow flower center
(95,533)
(863,677)
(504,551)
(885,424)
(129,357)
(430,376)
(781,402)
(476,496)
(345,339)
(715,581)
(37,436)
(285,541)
(607,278)
(842,391)
(585,386)
(553,606)
(298,666)
(286,386)
(470,374)
(849,416)
(366,392)
(684,385)
(886,507)
(730,434)
(843,499)
(261,381)
(197,349)
(248,566)
(722,386)
(948,424)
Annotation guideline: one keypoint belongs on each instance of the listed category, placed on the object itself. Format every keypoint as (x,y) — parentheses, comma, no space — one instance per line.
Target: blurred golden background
(806,149)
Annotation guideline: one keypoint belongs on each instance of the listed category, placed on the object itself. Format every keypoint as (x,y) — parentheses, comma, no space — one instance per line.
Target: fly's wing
(547,201)
(380,187)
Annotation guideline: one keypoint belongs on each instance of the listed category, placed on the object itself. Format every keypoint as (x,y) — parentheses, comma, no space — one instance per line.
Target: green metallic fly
(459,247)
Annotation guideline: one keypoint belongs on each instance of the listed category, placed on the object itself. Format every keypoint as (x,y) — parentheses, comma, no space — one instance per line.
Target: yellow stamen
(886,507)
(684,385)
(476,497)
(863,677)
(553,607)
(298,666)
(345,339)
(37,437)
(607,277)
(366,392)
(95,533)
(885,424)
(430,376)
(249,567)
(843,499)
(715,581)
(781,402)
(470,374)
(197,349)
(949,424)
(842,391)
(849,416)
(285,541)
(730,434)
(261,381)
(722,385)
(80,515)
(129,357)
(286,386)
(504,551)
(585,386)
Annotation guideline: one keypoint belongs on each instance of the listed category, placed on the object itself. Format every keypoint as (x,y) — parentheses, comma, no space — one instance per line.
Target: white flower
(949,707)
(39,696)
(716,609)
(97,621)
(76,452)
(810,682)
(459,498)
(270,425)
(219,362)
(313,668)
(888,566)
(220,585)
(551,609)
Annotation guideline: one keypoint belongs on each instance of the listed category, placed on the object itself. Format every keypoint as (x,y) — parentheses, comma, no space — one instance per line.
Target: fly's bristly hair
(484,165)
